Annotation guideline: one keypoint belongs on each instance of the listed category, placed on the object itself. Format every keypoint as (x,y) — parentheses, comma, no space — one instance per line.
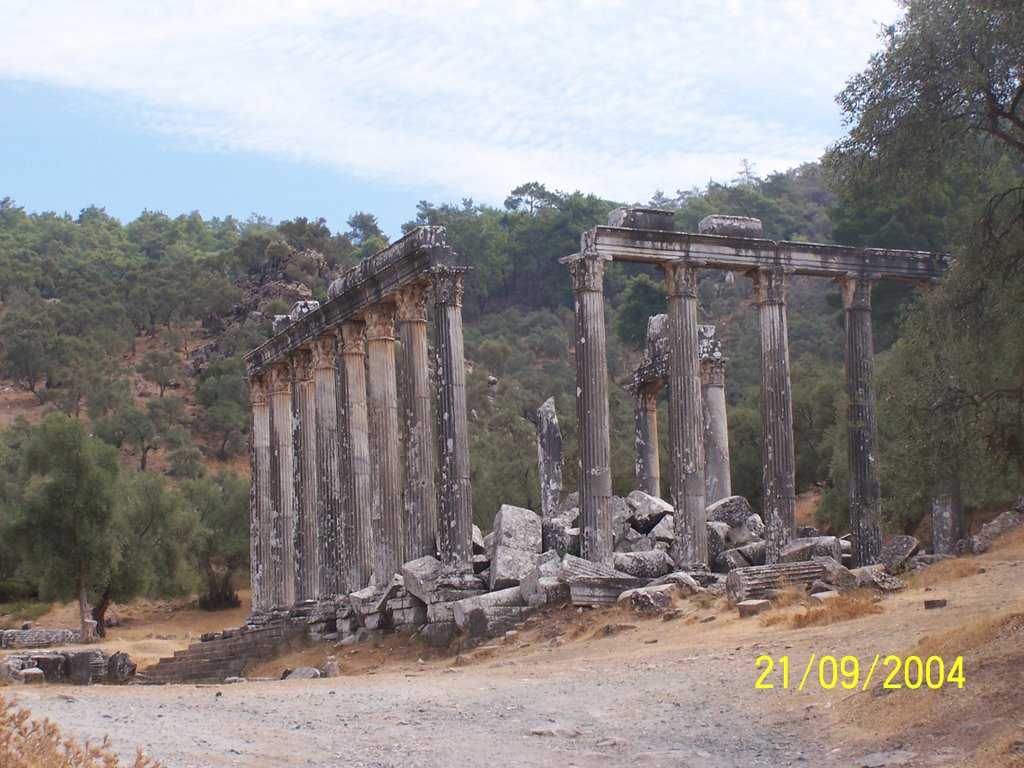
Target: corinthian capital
(412,303)
(380,322)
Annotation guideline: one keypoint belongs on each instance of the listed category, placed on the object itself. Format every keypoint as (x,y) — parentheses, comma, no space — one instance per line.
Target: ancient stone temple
(345,487)
(734,244)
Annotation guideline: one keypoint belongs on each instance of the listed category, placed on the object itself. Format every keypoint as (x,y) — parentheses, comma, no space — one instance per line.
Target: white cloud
(469,97)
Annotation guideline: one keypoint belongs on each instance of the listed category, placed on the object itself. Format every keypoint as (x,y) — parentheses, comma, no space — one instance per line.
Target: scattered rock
(718,539)
(733,511)
(824,597)
(649,600)
(836,574)
(897,552)
(938,602)
(755,525)
(613,629)
(331,668)
(420,577)
(683,582)
(120,668)
(873,577)
(665,530)
(517,528)
(646,511)
(644,565)
(304,673)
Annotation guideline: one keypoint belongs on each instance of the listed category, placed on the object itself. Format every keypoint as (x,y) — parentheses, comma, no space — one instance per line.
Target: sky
(322,108)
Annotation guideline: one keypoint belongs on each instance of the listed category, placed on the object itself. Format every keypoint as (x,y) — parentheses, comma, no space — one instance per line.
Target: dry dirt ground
(567,691)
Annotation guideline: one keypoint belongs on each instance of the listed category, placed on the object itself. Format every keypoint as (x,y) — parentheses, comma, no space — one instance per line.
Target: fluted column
(685,418)
(948,519)
(861,421)
(328,528)
(282,519)
(307,557)
(717,469)
(455,497)
(420,463)
(356,529)
(595,474)
(776,412)
(385,469)
(261,499)
(648,463)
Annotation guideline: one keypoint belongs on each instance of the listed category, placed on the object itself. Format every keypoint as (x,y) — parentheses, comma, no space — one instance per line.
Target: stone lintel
(735,253)
(372,280)
(642,218)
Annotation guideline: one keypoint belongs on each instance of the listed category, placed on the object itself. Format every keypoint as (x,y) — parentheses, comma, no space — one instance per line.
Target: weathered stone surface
(479,547)
(665,530)
(730,560)
(31,676)
(824,597)
(540,591)
(492,622)
(760,582)
(938,602)
(749,608)
(438,634)
(836,574)
(739,226)
(897,552)
(732,510)
(649,600)
(755,525)
(684,583)
(120,668)
(517,528)
(54,666)
(37,638)
(84,667)
(331,668)
(809,548)
(644,565)
(509,566)
(304,673)
(505,598)
(874,577)
(718,539)
(626,538)
(646,510)
(753,552)
(420,576)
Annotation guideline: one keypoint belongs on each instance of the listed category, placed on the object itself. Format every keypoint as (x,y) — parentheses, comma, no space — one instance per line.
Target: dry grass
(28,743)
(944,572)
(846,607)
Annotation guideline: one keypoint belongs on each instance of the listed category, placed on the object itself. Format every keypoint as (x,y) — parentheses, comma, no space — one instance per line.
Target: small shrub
(13,591)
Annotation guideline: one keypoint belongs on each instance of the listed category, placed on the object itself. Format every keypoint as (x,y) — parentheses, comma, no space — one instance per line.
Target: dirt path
(565,693)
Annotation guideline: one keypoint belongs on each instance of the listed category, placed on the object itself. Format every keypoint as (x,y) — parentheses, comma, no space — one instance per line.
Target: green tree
(222,500)
(68,511)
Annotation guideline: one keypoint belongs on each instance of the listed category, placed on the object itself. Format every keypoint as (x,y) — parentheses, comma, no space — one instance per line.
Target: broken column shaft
(776,412)
(717,470)
(550,456)
(455,497)
(685,418)
(307,570)
(385,469)
(595,475)
(420,504)
(861,422)
(282,535)
(648,463)
(356,519)
(261,501)
(325,370)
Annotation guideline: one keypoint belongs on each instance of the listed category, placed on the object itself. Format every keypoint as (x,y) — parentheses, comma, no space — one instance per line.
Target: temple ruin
(735,244)
(330,511)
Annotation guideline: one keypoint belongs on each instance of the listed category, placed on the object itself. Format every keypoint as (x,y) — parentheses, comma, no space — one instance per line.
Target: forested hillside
(125,408)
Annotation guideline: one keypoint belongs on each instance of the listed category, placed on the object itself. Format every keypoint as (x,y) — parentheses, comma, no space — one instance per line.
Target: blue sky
(318,108)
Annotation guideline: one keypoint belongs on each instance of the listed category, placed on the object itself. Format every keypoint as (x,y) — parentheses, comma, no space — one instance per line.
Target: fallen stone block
(120,668)
(897,552)
(491,621)
(646,511)
(644,565)
(509,566)
(420,576)
(665,530)
(730,560)
(543,591)
(479,547)
(754,552)
(304,673)
(733,511)
(54,666)
(718,539)
(874,577)
(938,602)
(649,600)
(837,575)
(749,608)
(504,598)
(810,548)
(31,676)
(438,634)
(824,597)
(683,582)
(761,581)
(755,525)
(517,528)
(86,667)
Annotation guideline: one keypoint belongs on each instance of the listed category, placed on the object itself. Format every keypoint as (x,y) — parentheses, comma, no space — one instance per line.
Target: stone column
(861,422)
(282,533)
(595,474)
(328,528)
(648,462)
(420,461)
(550,457)
(776,412)
(685,418)
(307,560)
(356,529)
(261,502)
(947,520)
(455,499)
(385,469)
(717,472)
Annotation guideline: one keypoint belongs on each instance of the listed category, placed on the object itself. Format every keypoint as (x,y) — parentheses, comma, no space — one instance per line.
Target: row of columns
(330,511)
(687,490)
